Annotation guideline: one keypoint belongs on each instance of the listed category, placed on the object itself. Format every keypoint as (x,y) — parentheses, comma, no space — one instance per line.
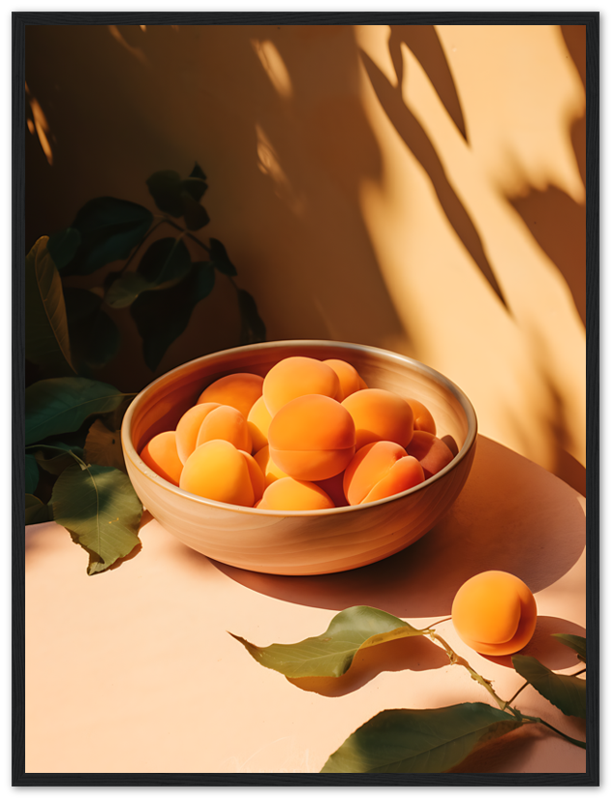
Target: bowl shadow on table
(511,515)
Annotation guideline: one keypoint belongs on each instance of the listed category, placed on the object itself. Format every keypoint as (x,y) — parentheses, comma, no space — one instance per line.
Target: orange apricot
(422,418)
(218,471)
(188,427)
(269,469)
(287,494)
(225,422)
(379,415)
(160,455)
(431,452)
(258,421)
(349,379)
(494,613)
(239,390)
(378,470)
(312,438)
(296,376)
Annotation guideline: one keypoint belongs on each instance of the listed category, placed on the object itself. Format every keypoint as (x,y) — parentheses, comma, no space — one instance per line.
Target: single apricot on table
(287,494)
(312,438)
(240,390)
(494,613)
(218,471)
(380,415)
(296,376)
(160,455)
(378,470)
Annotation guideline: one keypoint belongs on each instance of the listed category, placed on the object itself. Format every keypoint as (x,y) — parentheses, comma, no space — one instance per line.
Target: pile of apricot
(309,435)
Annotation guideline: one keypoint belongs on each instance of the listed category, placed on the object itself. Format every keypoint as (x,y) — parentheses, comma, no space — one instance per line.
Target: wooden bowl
(299,542)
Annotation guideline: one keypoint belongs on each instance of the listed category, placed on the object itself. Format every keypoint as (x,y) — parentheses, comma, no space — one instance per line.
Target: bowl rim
(130,450)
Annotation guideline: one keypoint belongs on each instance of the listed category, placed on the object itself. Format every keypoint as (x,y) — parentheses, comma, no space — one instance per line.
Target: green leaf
(331,653)
(96,338)
(110,228)
(165,188)
(195,215)
(565,691)
(420,741)
(47,338)
(219,258)
(166,260)
(103,447)
(180,198)
(576,643)
(63,245)
(174,306)
(32,474)
(37,511)
(61,405)
(101,511)
(252,327)
(59,458)
(125,289)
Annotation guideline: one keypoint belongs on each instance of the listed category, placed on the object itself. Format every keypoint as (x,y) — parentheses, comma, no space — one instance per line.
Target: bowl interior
(160,406)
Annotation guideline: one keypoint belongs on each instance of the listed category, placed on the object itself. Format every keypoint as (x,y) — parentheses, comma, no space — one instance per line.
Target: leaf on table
(61,405)
(564,691)
(100,509)
(47,336)
(576,643)
(103,447)
(426,741)
(331,653)
(109,228)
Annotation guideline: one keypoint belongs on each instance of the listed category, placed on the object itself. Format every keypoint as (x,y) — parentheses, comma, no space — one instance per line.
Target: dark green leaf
(165,188)
(166,261)
(197,172)
(101,511)
(61,405)
(195,215)
(126,288)
(252,327)
(195,187)
(32,474)
(103,447)
(63,245)
(576,643)
(47,337)
(37,511)
(565,691)
(54,459)
(109,229)
(219,258)
(420,741)
(174,306)
(96,338)
(331,653)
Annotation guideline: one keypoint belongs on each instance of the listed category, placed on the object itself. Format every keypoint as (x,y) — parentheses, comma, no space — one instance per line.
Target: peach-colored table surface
(134,670)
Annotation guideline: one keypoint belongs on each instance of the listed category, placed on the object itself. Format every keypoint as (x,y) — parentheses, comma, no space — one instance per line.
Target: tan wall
(419,189)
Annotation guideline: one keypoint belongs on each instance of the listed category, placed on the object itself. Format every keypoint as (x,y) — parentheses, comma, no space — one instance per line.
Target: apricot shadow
(546,648)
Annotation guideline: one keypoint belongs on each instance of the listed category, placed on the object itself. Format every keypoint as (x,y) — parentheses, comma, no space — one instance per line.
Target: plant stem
(521,689)
(185,233)
(454,658)
(576,742)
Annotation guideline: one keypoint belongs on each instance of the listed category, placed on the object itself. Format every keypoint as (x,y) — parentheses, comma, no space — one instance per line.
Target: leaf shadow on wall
(418,142)
(555,220)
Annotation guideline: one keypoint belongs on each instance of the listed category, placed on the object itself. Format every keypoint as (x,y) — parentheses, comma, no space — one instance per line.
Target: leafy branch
(74,467)
(420,740)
